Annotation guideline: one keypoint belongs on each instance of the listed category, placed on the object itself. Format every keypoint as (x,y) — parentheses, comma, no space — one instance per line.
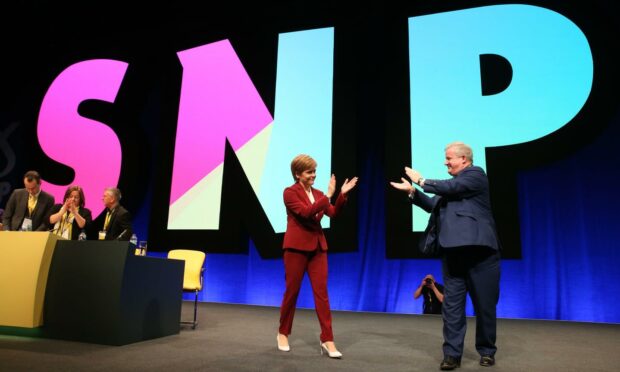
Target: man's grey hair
(461,149)
(116,193)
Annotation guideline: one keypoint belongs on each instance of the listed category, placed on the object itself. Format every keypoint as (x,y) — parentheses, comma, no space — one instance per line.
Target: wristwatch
(421,181)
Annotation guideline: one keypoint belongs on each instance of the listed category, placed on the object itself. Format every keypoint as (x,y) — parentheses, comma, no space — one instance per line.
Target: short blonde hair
(301,163)
(461,149)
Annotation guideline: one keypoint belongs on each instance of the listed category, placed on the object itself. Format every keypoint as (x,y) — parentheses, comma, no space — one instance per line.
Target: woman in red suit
(305,248)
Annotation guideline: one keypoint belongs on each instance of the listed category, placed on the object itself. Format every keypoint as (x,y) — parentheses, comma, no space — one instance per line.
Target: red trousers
(296,263)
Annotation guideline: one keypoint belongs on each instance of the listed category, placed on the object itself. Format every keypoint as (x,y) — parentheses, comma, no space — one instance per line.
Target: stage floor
(243,338)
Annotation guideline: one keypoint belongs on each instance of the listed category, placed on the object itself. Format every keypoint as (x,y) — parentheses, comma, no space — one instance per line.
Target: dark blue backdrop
(569,269)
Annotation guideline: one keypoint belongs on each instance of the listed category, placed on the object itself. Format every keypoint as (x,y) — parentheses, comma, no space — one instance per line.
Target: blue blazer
(464,209)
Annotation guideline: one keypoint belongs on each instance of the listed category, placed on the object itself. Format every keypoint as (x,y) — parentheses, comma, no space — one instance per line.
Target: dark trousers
(296,263)
(475,270)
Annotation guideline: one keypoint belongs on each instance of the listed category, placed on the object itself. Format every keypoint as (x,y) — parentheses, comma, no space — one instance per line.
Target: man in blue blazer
(470,250)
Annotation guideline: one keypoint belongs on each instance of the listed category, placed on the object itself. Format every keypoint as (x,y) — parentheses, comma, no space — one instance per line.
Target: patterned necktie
(32,202)
(107,221)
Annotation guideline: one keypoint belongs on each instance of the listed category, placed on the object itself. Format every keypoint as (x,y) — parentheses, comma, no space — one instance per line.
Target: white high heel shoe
(332,354)
(282,347)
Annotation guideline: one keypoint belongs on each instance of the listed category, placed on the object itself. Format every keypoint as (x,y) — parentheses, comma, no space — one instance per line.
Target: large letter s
(91,148)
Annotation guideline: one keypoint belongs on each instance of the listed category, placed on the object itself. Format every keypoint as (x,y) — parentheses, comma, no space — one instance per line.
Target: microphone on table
(121,234)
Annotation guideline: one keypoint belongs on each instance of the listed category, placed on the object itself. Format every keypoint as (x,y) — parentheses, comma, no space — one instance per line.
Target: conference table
(88,291)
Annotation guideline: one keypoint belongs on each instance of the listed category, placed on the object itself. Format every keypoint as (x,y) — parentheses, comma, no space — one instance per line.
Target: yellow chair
(192,278)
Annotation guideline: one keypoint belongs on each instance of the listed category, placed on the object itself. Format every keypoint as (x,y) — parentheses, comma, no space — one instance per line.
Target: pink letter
(91,148)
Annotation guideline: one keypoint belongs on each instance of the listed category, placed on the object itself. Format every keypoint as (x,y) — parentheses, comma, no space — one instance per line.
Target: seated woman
(71,218)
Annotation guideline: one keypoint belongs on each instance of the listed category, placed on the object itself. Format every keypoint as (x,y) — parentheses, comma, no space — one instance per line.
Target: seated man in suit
(29,208)
(117,222)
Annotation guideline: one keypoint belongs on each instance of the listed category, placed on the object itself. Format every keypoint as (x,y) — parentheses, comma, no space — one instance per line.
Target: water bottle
(134,240)
(82,236)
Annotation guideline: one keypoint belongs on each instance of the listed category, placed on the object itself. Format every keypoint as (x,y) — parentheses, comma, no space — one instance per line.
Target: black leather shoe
(487,360)
(449,363)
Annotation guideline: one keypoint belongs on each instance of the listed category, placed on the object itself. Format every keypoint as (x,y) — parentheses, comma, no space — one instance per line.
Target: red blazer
(303,229)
